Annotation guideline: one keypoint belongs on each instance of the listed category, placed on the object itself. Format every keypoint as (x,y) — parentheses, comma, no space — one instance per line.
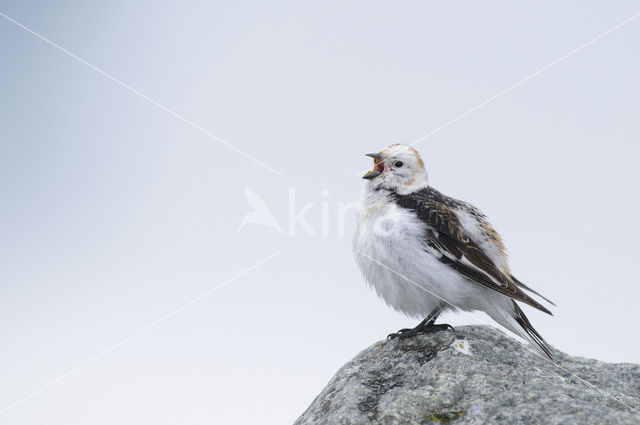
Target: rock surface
(474,375)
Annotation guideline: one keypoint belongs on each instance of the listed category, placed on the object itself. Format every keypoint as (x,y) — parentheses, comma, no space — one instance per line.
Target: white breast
(391,252)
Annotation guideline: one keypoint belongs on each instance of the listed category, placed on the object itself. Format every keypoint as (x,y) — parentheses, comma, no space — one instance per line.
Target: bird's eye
(399,164)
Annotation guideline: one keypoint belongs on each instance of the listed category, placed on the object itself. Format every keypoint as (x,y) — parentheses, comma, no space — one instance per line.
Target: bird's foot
(402,333)
(438,327)
(428,328)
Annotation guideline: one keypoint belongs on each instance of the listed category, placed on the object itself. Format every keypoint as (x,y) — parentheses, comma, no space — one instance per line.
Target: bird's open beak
(378,166)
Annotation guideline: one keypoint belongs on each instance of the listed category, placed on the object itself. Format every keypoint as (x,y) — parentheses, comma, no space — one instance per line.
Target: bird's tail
(517,322)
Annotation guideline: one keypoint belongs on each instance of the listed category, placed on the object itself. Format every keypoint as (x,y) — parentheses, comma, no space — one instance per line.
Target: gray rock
(474,375)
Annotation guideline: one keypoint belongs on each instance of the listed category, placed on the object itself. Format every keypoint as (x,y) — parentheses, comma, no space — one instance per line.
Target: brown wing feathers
(436,210)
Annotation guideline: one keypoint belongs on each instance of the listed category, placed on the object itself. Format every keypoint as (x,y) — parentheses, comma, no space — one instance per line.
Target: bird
(425,253)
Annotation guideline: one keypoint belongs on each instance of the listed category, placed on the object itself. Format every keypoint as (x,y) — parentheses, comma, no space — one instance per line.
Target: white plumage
(424,253)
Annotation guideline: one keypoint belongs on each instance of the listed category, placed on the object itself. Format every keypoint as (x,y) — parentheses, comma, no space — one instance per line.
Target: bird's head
(398,168)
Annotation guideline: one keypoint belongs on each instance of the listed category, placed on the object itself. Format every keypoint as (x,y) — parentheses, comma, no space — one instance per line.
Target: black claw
(440,327)
(401,333)
(426,328)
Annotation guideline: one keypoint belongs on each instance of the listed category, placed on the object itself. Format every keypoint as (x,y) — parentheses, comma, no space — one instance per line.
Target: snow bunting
(425,253)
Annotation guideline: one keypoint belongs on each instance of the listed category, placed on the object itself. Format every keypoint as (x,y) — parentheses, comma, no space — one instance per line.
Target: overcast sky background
(116,213)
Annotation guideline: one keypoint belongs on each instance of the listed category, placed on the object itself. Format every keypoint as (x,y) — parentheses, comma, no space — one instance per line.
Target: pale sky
(120,216)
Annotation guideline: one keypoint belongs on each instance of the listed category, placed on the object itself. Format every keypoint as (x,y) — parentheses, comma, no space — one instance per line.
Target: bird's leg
(426,326)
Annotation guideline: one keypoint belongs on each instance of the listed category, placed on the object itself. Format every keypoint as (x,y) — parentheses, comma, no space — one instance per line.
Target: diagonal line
(145,97)
(522,81)
(589,384)
(139,332)
(527,78)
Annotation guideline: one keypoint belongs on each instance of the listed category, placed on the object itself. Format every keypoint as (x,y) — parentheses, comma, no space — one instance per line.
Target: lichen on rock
(474,375)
